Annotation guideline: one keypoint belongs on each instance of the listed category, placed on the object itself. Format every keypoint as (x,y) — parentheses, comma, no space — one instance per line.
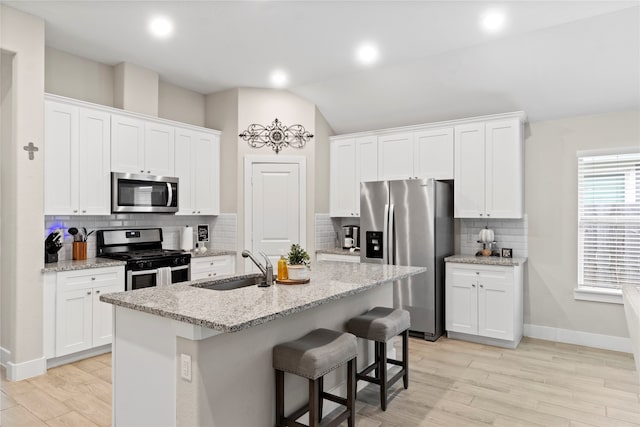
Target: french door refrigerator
(410,222)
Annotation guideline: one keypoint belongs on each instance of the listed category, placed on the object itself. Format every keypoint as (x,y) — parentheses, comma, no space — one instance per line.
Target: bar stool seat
(380,324)
(313,356)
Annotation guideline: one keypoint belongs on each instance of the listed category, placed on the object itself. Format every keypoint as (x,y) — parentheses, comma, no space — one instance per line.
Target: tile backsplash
(326,237)
(509,233)
(222,228)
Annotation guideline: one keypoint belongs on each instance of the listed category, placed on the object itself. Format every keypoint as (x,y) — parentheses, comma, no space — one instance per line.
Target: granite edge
(472,259)
(211,252)
(338,251)
(254,322)
(81,265)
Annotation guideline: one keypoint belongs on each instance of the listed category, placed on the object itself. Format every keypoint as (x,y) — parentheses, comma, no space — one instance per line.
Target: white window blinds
(609,220)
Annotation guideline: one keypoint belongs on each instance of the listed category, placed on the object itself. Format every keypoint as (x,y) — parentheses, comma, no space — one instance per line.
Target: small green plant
(298,256)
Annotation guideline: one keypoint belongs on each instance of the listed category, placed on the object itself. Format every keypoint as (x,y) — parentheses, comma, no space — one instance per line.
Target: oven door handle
(170,194)
(184,267)
(141,272)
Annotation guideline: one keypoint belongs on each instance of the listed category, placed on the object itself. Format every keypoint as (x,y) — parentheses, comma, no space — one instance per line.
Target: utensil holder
(79,250)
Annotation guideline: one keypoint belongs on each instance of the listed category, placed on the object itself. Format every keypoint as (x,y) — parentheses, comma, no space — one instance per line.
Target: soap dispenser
(283,272)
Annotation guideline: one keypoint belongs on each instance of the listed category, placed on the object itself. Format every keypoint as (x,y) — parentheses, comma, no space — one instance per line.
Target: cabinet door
(395,156)
(496,303)
(95,162)
(102,315)
(127,144)
(206,174)
(469,184)
(366,163)
(60,159)
(184,153)
(504,169)
(433,154)
(343,178)
(158,149)
(461,311)
(73,321)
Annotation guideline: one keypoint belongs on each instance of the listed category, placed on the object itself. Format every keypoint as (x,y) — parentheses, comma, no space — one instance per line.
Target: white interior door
(275,208)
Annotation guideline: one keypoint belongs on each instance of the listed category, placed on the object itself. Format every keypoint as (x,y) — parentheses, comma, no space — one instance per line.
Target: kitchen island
(185,355)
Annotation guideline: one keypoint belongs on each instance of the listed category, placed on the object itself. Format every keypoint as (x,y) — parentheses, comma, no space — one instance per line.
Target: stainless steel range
(147,263)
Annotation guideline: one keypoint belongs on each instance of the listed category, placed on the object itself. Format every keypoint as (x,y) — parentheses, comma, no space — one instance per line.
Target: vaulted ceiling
(552,59)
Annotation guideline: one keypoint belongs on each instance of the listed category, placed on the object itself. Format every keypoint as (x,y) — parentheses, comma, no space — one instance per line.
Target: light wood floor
(452,383)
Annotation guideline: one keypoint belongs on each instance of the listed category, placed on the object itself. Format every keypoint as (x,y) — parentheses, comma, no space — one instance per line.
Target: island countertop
(238,309)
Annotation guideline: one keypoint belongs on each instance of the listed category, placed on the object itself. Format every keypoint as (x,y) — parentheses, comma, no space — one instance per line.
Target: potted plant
(298,260)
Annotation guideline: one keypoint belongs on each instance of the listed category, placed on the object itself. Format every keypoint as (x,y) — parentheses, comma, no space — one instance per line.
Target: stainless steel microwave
(143,193)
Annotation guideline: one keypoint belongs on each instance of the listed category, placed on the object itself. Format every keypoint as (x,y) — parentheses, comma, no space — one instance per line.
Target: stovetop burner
(144,254)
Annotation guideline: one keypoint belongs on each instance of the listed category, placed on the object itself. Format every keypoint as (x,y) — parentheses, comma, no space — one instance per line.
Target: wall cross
(31,149)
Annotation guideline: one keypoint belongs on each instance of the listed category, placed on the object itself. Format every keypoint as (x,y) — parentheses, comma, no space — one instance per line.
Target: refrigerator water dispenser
(374,244)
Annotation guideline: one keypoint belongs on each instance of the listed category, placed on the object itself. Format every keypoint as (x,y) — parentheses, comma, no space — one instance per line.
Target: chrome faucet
(267,270)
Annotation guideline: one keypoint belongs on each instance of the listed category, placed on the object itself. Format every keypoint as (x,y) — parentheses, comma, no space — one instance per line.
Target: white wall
(551,204)
(321,143)
(222,114)
(76,77)
(180,104)
(22,195)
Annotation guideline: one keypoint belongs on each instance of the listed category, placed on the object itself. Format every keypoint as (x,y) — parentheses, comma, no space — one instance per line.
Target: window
(608,221)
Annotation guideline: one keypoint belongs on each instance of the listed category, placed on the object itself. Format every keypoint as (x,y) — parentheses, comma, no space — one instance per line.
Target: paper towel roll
(186,238)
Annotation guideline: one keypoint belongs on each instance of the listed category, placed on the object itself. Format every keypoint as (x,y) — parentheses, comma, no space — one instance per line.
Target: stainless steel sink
(231,283)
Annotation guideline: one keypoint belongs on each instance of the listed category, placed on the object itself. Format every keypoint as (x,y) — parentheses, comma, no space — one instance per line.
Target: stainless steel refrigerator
(410,222)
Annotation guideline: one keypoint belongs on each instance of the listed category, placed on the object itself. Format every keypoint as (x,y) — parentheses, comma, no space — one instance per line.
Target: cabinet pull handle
(98,291)
(75,211)
(84,211)
(93,278)
(480,214)
(198,211)
(215,274)
(88,292)
(482,286)
(210,263)
(148,171)
(141,171)
(209,274)
(193,212)
(473,285)
(488,214)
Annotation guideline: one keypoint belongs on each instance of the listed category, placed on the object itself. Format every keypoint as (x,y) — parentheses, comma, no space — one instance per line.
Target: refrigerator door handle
(385,249)
(390,236)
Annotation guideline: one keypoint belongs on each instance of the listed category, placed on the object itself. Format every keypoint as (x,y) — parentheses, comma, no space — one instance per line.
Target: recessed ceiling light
(367,54)
(279,78)
(493,21)
(161,27)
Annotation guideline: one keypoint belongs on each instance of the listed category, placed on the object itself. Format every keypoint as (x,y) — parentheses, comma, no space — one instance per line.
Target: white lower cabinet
(484,303)
(212,266)
(81,321)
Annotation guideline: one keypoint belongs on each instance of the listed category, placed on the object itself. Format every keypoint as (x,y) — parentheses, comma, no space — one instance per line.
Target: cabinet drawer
(209,263)
(89,278)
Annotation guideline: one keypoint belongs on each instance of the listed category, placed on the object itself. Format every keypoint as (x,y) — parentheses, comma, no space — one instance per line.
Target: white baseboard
(5,356)
(607,342)
(24,370)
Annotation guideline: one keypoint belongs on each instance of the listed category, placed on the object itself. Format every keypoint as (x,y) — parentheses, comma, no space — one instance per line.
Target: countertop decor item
(276,135)
(298,258)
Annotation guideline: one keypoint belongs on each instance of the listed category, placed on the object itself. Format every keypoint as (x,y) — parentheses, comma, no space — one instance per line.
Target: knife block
(79,250)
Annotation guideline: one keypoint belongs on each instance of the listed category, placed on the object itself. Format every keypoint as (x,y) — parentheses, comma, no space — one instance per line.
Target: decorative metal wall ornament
(276,136)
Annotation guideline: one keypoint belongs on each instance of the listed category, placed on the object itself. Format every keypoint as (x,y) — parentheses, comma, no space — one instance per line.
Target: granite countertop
(338,251)
(485,260)
(238,309)
(211,252)
(81,264)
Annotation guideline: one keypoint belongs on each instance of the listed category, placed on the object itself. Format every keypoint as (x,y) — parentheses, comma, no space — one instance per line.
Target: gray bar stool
(380,324)
(313,356)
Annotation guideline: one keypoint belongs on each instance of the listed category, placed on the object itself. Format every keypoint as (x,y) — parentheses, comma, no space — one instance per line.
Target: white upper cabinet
(433,153)
(424,153)
(197,166)
(76,160)
(469,171)
(395,156)
(353,160)
(127,144)
(159,149)
(489,170)
(343,178)
(141,147)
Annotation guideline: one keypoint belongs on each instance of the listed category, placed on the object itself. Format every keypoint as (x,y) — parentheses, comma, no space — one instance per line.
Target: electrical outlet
(185,363)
